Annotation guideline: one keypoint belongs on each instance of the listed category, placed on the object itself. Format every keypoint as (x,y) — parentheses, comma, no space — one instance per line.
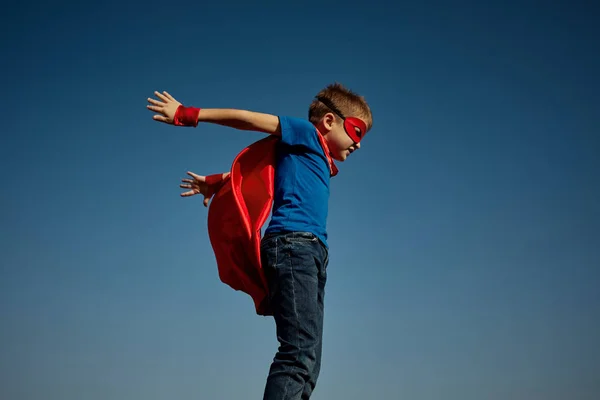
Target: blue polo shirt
(302,178)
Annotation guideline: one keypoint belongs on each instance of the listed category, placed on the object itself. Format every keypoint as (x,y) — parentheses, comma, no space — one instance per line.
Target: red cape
(237,214)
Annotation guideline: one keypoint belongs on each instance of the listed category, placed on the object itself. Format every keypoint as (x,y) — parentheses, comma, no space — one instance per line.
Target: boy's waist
(307,235)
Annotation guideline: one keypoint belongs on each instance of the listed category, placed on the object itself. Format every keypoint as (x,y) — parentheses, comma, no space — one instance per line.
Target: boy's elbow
(266,123)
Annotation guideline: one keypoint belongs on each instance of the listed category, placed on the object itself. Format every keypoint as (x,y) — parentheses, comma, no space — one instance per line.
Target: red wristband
(186,116)
(215,182)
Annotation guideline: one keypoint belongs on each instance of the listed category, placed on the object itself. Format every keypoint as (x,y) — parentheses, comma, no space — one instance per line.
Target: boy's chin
(341,157)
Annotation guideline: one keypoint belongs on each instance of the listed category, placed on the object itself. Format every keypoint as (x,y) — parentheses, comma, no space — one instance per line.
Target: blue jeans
(296,270)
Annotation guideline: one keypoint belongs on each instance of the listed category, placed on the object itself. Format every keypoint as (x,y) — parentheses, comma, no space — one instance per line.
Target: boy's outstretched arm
(166,107)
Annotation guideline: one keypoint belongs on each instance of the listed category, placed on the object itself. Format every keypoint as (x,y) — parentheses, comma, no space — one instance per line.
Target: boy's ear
(328,120)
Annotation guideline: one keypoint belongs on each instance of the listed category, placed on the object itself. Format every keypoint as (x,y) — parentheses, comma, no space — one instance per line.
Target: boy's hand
(166,107)
(199,185)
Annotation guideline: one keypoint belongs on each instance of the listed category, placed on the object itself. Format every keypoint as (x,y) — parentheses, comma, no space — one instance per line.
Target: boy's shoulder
(296,123)
(298,131)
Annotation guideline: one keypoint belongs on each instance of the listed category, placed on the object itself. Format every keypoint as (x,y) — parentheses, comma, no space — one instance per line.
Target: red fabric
(236,215)
(350,125)
(332,168)
(214,182)
(186,116)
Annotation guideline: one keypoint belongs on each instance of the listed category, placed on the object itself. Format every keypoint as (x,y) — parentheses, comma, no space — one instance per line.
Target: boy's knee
(304,359)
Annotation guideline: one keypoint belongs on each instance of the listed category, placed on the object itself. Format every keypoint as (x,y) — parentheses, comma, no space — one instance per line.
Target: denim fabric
(296,269)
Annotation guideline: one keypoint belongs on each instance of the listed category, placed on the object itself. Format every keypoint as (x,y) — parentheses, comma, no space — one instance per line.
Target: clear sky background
(465,240)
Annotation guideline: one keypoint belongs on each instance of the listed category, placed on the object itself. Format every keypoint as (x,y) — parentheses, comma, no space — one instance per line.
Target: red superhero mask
(356,128)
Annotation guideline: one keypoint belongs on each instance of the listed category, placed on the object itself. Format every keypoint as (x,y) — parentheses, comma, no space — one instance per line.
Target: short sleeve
(298,132)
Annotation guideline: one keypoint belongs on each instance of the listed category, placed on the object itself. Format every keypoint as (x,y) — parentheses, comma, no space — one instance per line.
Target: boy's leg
(295,266)
(310,385)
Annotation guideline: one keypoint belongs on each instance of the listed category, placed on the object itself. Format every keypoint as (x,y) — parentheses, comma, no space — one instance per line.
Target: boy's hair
(345,100)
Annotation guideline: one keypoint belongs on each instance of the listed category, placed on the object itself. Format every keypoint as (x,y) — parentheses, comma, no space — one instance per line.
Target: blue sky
(465,259)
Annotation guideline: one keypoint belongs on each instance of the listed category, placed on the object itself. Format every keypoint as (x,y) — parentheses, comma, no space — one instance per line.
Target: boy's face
(339,143)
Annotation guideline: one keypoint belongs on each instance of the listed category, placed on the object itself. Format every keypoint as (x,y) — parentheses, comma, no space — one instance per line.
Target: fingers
(155,108)
(155,102)
(197,177)
(161,96)
(164,96)
(194,186)
(160,118)
(188,193)
(163,107)
(169,96)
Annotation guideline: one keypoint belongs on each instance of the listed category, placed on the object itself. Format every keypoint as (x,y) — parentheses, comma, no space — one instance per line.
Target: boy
(294,250)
